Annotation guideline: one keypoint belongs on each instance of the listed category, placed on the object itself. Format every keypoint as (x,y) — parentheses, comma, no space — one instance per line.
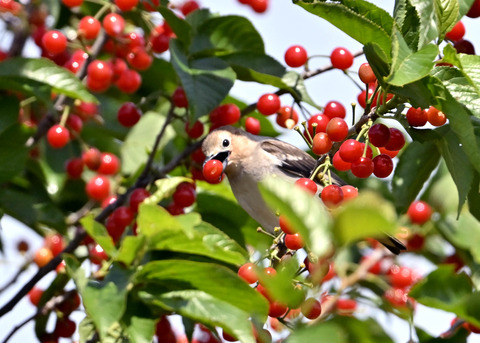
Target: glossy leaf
(474,196)
(187,234)
(368,215)
(203,308)
(45,71)
(361,20)
(213,279)
(99,234)
(14,151)
(206,81)
(140,139)
(378,61)
(305,212)
(447,12)
(413,170)
(408,20)
(295,82)
(180,27)
(139,322)
(458,165)
(445,290)
(131,250)
(409,66)
(427,30)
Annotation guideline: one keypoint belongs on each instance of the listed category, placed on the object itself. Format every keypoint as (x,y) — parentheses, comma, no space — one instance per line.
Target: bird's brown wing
(294,162)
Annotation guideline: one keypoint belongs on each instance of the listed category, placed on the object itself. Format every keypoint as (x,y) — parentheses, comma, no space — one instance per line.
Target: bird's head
(218,144)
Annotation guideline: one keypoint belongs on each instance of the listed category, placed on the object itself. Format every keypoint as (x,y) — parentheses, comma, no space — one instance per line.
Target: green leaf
(10,108)
(180,27)
(160,76)
(474,196)
(14,151)
(86,330)
(140,139)
(255,61)
(104,301)
(361,20)
(165,188)
(131,250)
(378,61)
(428,30)
(464,7)
(446,12)
(368,215)
(206,81)
(458,165)
(213,279)
(138,321)
(462,232)
(445,290)
(327,331)
(412,171)
(408,21)
(408,66)
(204,308)
(98,232)
(306,213)
(47,72)
(187,234)
(227,34)
(463,83)
(295,82)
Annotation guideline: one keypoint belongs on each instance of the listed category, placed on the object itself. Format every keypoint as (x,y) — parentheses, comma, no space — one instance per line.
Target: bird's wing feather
(294,162)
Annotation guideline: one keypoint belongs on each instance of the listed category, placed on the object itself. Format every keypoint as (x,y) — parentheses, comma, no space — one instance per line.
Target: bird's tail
(392,244)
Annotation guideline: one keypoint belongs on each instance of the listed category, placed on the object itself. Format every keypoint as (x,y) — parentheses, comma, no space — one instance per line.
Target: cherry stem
(305,126)
(353,80)
(296,128)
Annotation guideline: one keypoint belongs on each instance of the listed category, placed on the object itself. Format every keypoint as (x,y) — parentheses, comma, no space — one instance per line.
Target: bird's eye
(225,143)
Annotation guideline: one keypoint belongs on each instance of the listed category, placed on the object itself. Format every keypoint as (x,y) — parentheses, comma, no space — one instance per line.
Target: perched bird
(248,159)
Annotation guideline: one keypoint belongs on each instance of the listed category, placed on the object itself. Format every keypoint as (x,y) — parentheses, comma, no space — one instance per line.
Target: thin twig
(23,268)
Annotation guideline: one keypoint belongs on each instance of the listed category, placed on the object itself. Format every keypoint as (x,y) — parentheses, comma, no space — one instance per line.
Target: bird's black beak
(221,156)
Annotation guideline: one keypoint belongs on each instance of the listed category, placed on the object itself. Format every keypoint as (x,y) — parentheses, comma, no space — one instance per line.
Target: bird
(248,159)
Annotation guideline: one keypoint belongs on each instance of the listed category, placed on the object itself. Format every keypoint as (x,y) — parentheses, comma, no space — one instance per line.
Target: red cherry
(86,110)
(457,32)
(464,46)
(179,98)
(126,5)
(129,81)
(54,42)
(185,194)
(436,117)
(339,164)
(396,141)
(287,117)
(379,135)
(334,109)
(268,104)
(349,192)
(474,11)
(160,42)
(401,277)
(75,123)
(129,114)
(58,136)
(109,165)
(337,129)
(398,297)
(72,3)
(139,59)
(98,188)
(285,225)
(227,114)
(294,241)
(351,150)
(332,196)
(416,116)
(259,6)
(276,309)
(321,120)
(137,197)
(346,306)
(365,73)
(363,167)
(189,6)
(92,158)
(89,27)
(415,242)
(113,24)
(198,156)
(212,171)
(311,308)
(249,272)
(307,184)
(74,168)
(35,295)
(194,131)
(321,143)
(419,212)
(390,153)
(55,243)
(296,56)
(382,166)
(341,58)
(123,215)
(100,71)
(97,255)
(42,257)
(64,327)
(252,125)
